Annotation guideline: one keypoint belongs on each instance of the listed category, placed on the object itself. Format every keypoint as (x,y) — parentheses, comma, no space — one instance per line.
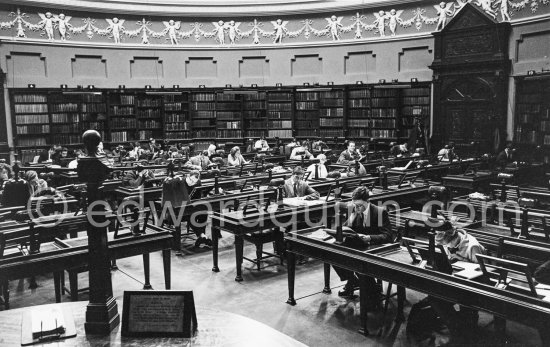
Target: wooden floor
(317,320)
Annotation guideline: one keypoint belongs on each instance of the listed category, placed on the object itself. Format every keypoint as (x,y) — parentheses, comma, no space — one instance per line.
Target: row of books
(223,115)
(359,113)
(256,124)
(93,117)
(228,106)
(170,118)
(149,102)
(177,135)
(27,155)
(415,100)
(64,117)
(254,133)
(252,105)
(257,96)
(372,133)
(307,96)
(123,110)
(203,123)
(150,123)
(93,98)
(120,136)
(226,97)
(30,108)
(384,112)
(203,97)
(127,99)
(526,136)
(71,107)
(32,141)
(65,139)
(331,122)
(278,115)
(333,94)
(280,133)
(331,112)
(32,129)
(172,107)
(385,93)
(382,123)
(229,133)
(32,119)
(415,92)
(30,98)
(527,117)
(254,114)
(331,132)
(148,113)
(532,108)
(546,140)
(229,125)
(204,133)
(93,125)
(331,102)
(279,107)
(305,123)
(147,134)
(386,102)
(285,96)
(175,98)
(202,106)
(358,103)
(93,107)
(359,94)
(306,105)
(203,114)
(176,126)
(545,125)
(415,110)
(66,128)
(123,123)
(283,124)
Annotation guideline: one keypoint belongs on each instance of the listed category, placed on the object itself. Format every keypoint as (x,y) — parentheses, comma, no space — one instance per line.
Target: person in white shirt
(261,144)
(320,168)
(74,163)
(235,157)
(211,150)
(299,151)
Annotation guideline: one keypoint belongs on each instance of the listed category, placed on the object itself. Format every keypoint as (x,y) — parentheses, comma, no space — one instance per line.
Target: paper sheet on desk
(468,270)
(299,202)
(544,290)
(322,235)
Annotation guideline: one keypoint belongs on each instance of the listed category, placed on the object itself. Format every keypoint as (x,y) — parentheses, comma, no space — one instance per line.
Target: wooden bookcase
(306,114)
(415,103)
(280,113)
(176,115)
(203,114)
(229,115)
(122,116)
(65,117)
(532,114)
(255,114)
(331,113)
(359,112)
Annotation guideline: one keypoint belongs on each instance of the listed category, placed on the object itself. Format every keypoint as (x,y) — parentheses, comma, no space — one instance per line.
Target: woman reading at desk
(176,192)
(235,158)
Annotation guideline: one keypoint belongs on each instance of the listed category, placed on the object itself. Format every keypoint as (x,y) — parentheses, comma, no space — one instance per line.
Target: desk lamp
(504,179)
(269,169)
(525,204)
(278,183)
(341,212)
(383,174)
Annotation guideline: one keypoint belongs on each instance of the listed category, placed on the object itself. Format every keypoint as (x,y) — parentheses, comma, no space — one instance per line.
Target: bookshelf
(306,115)
(149,116)
(359,111)
(228,116)
(384,112)
(122,116)
(176,116)
(93,113)
(65,118)
(255,114)
(532,115)
(279,113)
(415,103)
(331,113)
(31,125)
(203,114)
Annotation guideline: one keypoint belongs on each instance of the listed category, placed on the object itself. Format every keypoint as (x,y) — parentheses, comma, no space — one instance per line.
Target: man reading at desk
(199,162)
(370,225)
(296,187)
(350,155)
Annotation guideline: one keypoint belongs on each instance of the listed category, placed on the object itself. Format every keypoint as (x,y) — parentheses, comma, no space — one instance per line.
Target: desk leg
(114,266)
(401,297)
(500,329)
(5,284)
(166,262)
(363,302)
(177,240)
(327,290)
(215,236)
(73,285)
(146,270)
(291,269)
(33,284)
(239,244)
(57,286)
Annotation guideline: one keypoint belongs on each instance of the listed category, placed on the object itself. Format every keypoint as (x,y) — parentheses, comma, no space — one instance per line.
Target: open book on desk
(467,270)
(300,202)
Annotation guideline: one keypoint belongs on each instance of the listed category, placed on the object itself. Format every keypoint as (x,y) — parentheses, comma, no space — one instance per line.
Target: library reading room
(275,173)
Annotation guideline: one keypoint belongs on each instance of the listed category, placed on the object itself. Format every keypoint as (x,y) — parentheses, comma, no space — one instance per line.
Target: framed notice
(147,313)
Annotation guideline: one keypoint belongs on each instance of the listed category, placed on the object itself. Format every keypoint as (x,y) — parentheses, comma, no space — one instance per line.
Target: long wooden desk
(55,257)
(393,264)
(478,182)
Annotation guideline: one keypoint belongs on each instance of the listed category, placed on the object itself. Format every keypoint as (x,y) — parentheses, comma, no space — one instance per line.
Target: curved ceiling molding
(50,25)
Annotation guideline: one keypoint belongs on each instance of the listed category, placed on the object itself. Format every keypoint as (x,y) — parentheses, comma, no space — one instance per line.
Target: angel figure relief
(280,30)
(47,24)
(486,7)
(63,25)
(380,22)
(219,31)
(171,28)
(233,31)
(394,18)
(503,8)
(115,28)
(443,10)
(334,25)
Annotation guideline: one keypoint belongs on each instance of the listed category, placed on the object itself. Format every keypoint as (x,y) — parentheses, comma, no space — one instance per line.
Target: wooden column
(102,311)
